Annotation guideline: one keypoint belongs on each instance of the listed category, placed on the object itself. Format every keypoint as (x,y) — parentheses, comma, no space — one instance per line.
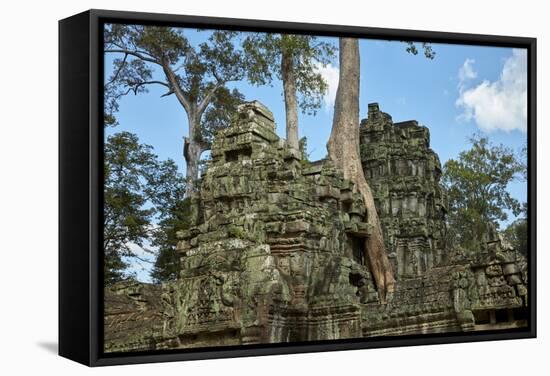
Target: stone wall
(275,252)
(133,317)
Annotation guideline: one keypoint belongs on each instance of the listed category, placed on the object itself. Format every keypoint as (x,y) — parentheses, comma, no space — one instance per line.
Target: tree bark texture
(343,149)
(192,151)
(192,145)
(291,101)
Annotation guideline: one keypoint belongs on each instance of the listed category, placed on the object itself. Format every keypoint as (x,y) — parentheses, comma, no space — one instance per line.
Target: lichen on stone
(276,250)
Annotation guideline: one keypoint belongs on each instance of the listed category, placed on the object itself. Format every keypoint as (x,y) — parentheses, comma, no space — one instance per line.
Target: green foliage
(476,185)
(516,234)
(220,114)
(197,75)
(174,218)
(265,52)
(166,44)
(429,53)
(125,218)
(113,266)
(236,232)
(523,162)
(138,190)
(172,213)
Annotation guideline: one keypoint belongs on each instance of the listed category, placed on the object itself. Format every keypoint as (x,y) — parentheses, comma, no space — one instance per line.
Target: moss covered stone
(276,250)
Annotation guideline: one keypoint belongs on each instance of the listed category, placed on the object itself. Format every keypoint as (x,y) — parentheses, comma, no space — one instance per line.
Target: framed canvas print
(240,187)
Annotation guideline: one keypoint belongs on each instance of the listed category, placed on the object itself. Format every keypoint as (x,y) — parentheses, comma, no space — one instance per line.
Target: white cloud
(331,75)
(497,105)
(466,72)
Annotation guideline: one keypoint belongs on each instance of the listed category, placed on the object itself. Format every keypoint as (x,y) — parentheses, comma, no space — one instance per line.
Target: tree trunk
(291,102)
(343,149)
(192,150)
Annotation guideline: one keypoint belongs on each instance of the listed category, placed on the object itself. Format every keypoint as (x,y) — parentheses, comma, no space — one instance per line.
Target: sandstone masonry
(275,253)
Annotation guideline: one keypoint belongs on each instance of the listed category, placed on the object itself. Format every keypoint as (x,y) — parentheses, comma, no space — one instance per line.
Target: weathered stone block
(511,268)
(494,270)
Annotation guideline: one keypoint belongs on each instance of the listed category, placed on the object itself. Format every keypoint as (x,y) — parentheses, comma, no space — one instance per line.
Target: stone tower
(404,174)
(276,253)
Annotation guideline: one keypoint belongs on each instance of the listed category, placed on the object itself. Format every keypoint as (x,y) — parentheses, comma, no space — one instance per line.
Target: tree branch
(142,52)
(115,76)
(140,84)
(206,100)
(176,88)
(168,93)
(134,53)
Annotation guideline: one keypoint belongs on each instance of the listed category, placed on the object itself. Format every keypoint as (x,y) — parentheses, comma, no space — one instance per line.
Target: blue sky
(464,90)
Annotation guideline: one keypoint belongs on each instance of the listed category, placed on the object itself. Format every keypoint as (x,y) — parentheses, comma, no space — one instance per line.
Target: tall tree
(477,187)
(295,60)
(141,197)
(167,262)
(197,76)
(166,191)
(126,220)
(343,150)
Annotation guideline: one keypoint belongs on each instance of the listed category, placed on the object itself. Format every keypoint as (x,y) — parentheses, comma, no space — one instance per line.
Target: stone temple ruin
(403,173)
(275,253)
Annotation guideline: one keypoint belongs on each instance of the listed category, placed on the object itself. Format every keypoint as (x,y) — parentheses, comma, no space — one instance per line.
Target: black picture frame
(80,185)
